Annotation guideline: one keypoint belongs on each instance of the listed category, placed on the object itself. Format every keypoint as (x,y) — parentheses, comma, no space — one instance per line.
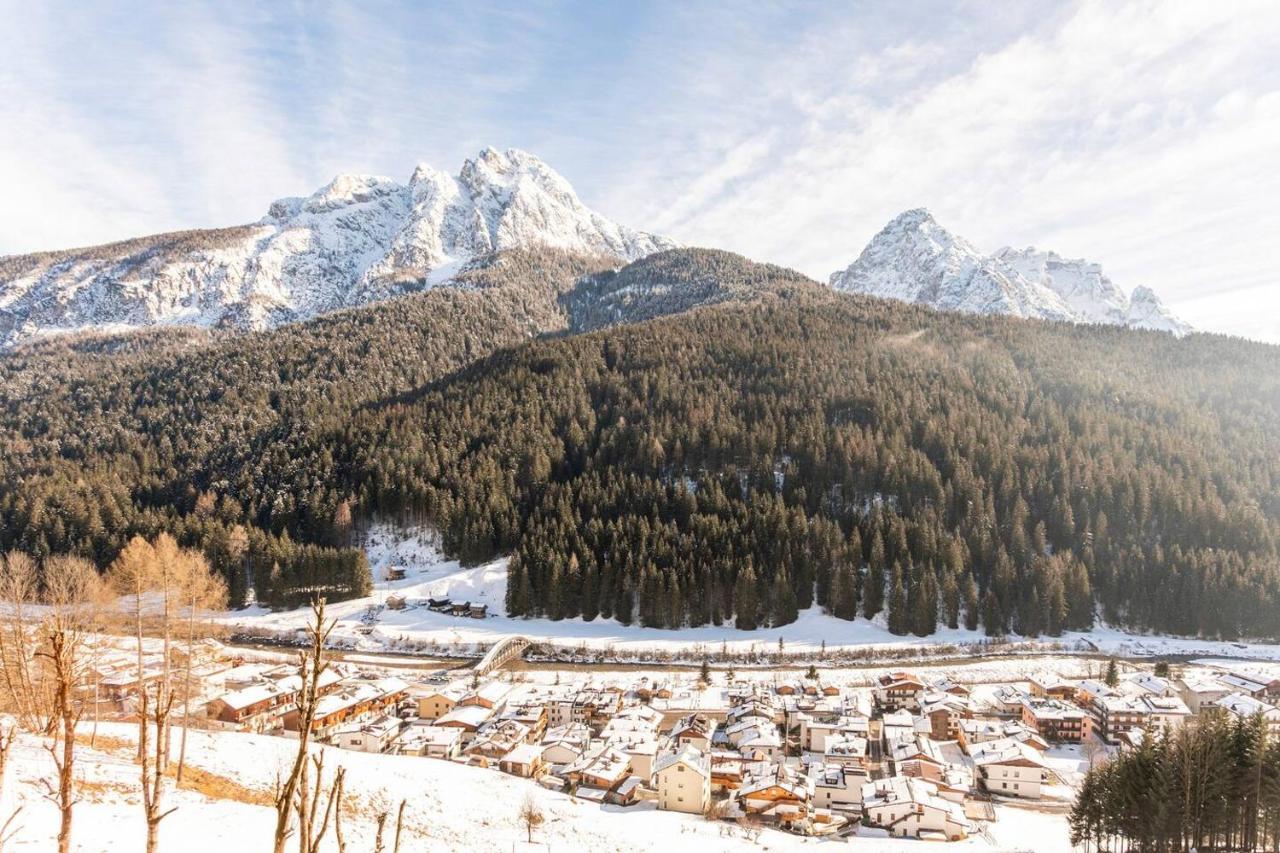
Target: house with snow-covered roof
(1010,768)
(427,739)
(838,787)
(755,738)
(683,781)
(898,690)
(780,796)
(524,760)
(1243,706)
(377,735)
(913,808)
(694,730)
(495,739)
(1201,693)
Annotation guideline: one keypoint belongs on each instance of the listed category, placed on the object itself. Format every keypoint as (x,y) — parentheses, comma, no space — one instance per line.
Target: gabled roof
(689,756)
(1006,751)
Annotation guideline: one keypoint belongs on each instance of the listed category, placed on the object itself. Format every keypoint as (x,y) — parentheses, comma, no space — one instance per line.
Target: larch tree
(201,590)
(73,607)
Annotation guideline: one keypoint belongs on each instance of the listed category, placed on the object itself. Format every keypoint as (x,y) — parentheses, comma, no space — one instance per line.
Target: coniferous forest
(777,448)
(1211,785)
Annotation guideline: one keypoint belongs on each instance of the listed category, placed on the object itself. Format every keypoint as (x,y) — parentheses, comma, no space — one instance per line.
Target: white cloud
(1144,136)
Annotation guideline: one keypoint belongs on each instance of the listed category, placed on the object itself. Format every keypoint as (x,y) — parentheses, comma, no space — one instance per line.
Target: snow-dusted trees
(1210,785)
(637,471)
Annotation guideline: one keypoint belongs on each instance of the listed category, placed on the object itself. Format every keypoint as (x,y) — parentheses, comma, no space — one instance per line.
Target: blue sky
(1142,135)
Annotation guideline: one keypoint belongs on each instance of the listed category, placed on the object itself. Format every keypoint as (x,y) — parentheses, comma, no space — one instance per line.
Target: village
(898,754)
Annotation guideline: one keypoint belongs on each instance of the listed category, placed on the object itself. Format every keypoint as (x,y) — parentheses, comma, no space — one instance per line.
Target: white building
(375,736)
(838,788)
(431,740)
(1010,768)
(1244,706)
(683,780)
(912,808)
(1202,693)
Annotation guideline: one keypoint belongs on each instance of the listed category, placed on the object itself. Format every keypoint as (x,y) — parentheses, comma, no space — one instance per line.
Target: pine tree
(783,600)
(971,614)
(873,589)
(991,619)
(925,615)
(746,601)
(1113,674)
(951,600)
(899,615)
(844,605)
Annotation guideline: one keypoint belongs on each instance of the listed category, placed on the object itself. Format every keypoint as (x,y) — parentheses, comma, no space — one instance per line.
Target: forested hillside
(735,463)
(175,430)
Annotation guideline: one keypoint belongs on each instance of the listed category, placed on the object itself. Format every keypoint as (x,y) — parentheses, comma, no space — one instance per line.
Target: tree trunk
(66,776)
(142,718)
(186,691)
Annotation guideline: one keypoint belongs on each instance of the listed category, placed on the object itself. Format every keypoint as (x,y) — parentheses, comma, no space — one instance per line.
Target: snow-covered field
(429,574)
(450,807)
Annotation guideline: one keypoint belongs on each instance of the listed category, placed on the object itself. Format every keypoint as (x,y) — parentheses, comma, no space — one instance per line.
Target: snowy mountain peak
(915,259)
(356,239)
(346,190)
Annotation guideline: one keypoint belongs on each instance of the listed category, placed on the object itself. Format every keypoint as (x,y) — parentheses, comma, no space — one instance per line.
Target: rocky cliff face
(358,239)
(917,260)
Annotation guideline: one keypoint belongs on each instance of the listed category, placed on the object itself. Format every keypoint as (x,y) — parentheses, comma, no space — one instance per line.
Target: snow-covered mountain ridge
(915,259)
(358,239)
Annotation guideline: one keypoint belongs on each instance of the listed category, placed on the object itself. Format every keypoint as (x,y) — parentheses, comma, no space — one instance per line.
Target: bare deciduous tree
(531,816)
(19,584)
(73,598)
(131,576)
(379,845)
(202,590)
(312,664)
(155,713)
(313,823)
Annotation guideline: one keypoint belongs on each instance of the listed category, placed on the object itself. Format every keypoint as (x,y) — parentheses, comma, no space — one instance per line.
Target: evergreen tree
(873,589)
(746,600)
(971,614)
(783,600)
(899,615)
(844,605)
(951,600)
(925,616)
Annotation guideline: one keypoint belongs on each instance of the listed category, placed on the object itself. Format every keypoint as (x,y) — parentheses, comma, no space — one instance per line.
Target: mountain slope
(779,447)
(357,239)
(915,259)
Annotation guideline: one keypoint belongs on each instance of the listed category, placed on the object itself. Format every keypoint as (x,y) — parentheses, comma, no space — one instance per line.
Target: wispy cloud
(1144,135)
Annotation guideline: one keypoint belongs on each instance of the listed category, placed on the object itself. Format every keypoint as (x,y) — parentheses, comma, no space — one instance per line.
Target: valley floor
(368,624)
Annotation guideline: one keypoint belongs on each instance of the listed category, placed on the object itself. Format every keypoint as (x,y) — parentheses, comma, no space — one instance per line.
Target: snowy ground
(450,807)
(430,574)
